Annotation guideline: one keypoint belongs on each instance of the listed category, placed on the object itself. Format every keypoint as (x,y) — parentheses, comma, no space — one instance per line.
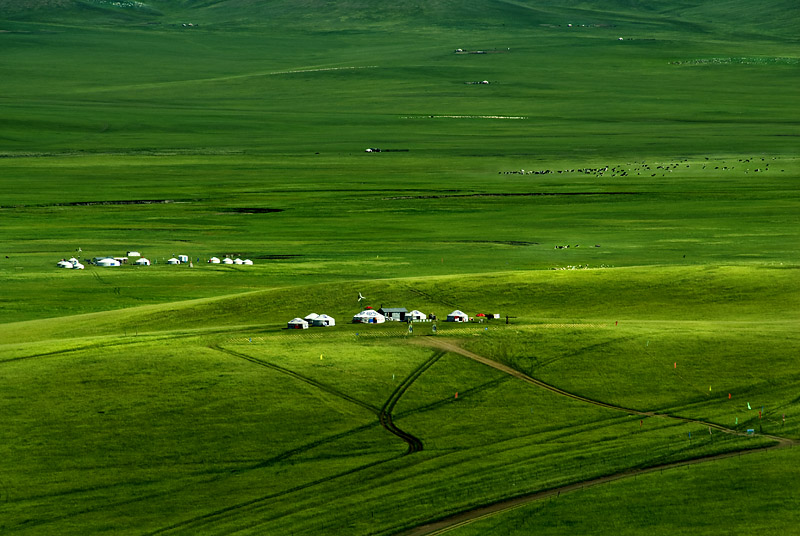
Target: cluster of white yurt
(71,264)
(311,319)
(369,316)
(228,260)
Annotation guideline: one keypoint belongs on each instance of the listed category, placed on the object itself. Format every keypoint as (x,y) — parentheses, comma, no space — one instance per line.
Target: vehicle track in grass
(466,517)
(296,375)
(384,416)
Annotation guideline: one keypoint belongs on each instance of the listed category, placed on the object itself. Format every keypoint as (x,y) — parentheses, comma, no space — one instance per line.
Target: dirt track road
(457,520)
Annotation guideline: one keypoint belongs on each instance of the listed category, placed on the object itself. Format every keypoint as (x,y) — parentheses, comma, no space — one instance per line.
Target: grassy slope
(272,462)
(145,424)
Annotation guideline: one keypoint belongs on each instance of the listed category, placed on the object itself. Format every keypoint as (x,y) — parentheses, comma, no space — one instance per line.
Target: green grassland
(657,140)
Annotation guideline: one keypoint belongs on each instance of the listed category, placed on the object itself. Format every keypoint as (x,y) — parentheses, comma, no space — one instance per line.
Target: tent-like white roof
(369,314)
(65,264)
(237,260)
(311,316)
(108,262)
(297,322)
(214,260)
(324,320)
(227,260)
(416,314)
(247,262)
(142,262)
(78,266)
(458,314)
(173,260)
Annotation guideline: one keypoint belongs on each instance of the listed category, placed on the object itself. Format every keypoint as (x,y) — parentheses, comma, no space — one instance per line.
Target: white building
(142,262)
(323,320)
(416,316)
(369,316)
(457,316)
(173,260)
(213,260)
(107,262)
(297,323)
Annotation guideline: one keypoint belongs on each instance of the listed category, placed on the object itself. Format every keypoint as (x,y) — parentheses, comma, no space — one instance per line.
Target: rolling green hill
(619,178)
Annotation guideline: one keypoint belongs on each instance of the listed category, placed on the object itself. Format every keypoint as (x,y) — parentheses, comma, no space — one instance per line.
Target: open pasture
(625,189)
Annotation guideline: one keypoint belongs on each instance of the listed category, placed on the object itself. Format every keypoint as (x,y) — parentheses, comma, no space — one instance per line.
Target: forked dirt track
(446,524)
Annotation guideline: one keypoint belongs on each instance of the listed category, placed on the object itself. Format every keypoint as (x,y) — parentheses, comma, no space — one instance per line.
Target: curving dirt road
(457,520)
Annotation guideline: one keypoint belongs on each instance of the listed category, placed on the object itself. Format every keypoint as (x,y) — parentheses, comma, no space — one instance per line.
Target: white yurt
(369,316)
(65,264)
(227,260)
(108,262)
(73,260)
(213,260)
(310,317)
(416,316)
(173,260)
(248,262)
(237,260)
(297,323)
(323,320)
(134,254)
(77,265)
(457,316)
(142,262)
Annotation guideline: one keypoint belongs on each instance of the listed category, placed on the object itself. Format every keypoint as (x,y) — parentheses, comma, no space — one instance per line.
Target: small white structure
(369,316)
(134,254)
(297,323)
(213,260)
(237,260)
(457,316)
(323,320)
(65,264)
(416,316)
(247,262)
(142,262)
(77,265)
(173,260)
(183,258)
(108,261)
(227,260)
(310,317)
